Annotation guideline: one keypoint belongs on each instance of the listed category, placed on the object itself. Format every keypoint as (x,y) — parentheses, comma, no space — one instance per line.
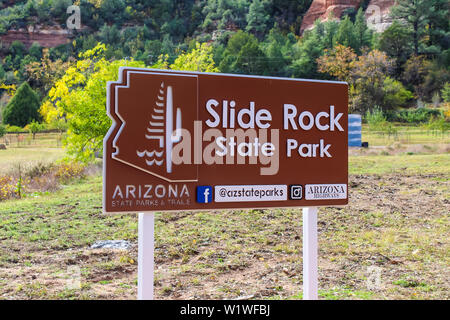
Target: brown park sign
(199,141)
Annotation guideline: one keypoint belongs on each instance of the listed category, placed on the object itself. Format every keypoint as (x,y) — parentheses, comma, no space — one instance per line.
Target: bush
(7,187)
(68,171)
(446,92)
(437,124)
(420,115)
(375,119)
(14,129)
(2,130)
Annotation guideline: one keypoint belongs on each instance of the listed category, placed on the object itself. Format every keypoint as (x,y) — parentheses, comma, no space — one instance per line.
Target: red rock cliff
(48,37)
(320,9)
(377,13)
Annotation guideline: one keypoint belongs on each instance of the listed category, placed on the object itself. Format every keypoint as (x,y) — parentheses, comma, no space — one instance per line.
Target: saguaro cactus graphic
(161,128)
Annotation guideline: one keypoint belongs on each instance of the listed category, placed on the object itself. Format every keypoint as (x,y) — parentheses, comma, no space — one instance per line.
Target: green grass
(405,135)
(411,164)
(58,220)
(224,254)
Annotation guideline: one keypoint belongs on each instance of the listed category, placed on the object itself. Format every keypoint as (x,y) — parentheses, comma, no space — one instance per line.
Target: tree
(2,130)
(415,14)
(34,127)
(79,98)
(416,70)
(44,73)
(243,55)
(257,18)
(22,108)
(337,62)
(307,51)
(198,59)
(395,41)
(362,32)
(346,34)
(367,81)
(446,92)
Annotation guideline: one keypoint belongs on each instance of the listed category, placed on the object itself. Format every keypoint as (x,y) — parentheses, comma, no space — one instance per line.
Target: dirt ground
(391,242)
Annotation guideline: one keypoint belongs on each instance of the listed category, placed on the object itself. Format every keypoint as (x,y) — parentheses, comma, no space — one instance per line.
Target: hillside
(410,41)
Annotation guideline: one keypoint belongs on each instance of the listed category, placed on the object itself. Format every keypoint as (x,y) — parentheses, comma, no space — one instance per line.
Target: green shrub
(420,115)
(2,130)
(14,129)
(375,119)
(446,92)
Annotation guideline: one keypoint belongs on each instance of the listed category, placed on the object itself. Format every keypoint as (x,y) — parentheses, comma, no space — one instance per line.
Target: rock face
(321,9)
(48,37)
(377,14)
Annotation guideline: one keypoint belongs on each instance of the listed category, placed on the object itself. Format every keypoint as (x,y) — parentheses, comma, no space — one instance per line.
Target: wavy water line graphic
(150,154)
(152,162)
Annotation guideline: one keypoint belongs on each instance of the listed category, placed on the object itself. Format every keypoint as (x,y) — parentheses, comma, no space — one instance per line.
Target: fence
(49,138)
(406,135)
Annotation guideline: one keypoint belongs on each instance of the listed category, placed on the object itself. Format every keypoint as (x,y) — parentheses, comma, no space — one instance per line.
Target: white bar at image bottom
(146,244)
(310,248)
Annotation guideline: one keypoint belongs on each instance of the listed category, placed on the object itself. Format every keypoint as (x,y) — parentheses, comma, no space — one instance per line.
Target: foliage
(395,94)
(23,107)
(67,171)
(79,98)
(367,81)
(375,118)
(10,128)
(419,115)
(198,59)
(44,73)
(396,42)
(446,92)
(243,55)
(337,62)
(7,187)
(2,130)
(34,127)
(260,37)
(377,122)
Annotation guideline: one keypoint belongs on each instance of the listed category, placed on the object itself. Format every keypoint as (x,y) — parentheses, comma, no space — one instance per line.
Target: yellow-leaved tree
(78,99)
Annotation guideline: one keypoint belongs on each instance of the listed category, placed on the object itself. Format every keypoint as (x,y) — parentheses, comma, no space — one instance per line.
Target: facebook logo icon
(204,194)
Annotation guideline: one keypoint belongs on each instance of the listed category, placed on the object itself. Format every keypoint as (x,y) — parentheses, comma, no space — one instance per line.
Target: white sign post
(146,245)
(310,247)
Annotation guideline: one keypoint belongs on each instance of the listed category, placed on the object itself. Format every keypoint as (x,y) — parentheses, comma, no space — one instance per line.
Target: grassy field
(405,135)
(46,148)
(395,231)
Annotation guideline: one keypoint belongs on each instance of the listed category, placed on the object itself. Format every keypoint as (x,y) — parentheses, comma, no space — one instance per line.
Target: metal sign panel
(354,130)
(199,141)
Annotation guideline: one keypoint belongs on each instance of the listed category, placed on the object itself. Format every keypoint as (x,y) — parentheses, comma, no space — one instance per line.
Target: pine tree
(415,14)
(23,107)
(257,18)
(362,33)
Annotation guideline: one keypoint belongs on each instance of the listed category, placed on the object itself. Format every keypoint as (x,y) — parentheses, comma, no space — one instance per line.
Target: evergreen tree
(415,14)
(23,107)
(362,32)
(346,34)
(257,18)
(395,41)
